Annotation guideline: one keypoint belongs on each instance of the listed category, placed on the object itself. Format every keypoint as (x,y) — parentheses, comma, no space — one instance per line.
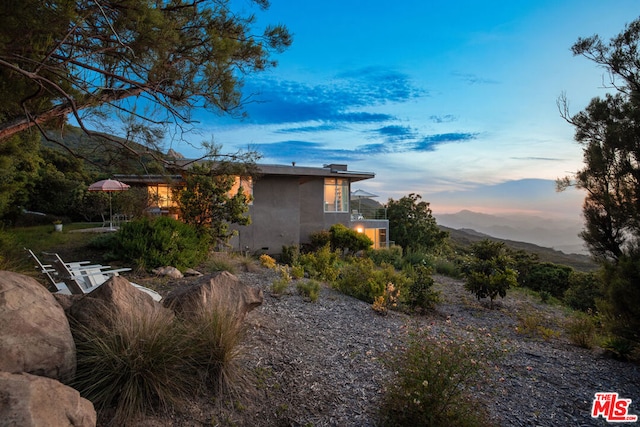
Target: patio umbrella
(109,186)
(361,194)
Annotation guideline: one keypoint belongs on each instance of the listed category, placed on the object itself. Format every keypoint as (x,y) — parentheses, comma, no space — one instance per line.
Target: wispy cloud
(473,79)
(540,159)
(347,98)
(447,118)
(429,143)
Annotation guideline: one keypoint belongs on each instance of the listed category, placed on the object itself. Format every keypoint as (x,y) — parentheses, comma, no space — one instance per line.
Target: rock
(29,401)
(34,331)
(192,272)
(115,298)
(220,290)
(172,272)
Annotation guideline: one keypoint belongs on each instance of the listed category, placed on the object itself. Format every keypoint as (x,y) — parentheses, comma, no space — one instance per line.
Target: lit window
(244,182)
(336,195)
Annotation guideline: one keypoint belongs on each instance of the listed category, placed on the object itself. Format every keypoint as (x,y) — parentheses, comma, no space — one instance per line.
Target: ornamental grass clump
(433,383)
(214,334)
(128,365)
(309,289)
(135,364)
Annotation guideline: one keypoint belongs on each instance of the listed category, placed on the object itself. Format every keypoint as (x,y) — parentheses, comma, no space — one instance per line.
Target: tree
(20,161)
(412,225)
(489,273)
(64,57)
(207,203)
(609,132)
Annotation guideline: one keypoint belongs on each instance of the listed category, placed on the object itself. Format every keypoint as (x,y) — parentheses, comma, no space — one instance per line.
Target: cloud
(540,159)
(429,143)
(347,98)
(395,133)
(447,118)
(304,151)
(473,79)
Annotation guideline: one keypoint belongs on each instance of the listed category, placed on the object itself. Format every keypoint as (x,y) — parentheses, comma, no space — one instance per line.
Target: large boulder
(115,298)
(34,331)
(220,290)
(32,401)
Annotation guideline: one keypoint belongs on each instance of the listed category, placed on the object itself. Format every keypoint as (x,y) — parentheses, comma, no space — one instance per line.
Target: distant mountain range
(561,235)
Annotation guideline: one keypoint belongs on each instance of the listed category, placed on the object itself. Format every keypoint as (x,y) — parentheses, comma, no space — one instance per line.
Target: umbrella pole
(110,214)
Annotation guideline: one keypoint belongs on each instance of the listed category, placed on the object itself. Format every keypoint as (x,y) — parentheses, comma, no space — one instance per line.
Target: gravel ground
(320,363)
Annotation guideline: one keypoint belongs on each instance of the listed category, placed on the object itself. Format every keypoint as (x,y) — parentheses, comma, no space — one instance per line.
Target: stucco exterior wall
(275,216)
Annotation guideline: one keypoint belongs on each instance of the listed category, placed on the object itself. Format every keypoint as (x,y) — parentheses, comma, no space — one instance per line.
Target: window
(160,195)
(244,182)
(336,195)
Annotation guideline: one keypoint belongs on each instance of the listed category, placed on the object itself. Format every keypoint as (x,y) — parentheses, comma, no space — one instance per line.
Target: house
(289,204)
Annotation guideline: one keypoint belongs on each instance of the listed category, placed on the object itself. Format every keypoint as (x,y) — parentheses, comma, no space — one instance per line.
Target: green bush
(363,280)
(584,289)
(446,267)
(321,264)
(547,277)
(489,273)
(391,256)
(582,329)
(419,294)
(159,242)
(290,255)
(433,383)
(346,239)
(309,289)
(319,240)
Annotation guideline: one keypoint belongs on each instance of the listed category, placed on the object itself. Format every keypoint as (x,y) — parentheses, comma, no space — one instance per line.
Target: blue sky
(455,101)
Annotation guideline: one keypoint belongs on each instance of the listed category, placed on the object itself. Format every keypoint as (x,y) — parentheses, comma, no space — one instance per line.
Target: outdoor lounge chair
(80,277)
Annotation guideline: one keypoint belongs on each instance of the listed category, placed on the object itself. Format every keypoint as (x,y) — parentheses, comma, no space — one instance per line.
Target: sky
(454,101)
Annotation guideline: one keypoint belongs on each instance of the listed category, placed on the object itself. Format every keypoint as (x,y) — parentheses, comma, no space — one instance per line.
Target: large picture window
(336,195)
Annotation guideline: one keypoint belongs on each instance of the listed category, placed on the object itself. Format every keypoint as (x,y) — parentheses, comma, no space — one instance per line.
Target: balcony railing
(364,214)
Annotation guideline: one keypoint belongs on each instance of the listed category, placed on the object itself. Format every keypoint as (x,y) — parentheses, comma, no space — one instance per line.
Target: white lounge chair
(80,277)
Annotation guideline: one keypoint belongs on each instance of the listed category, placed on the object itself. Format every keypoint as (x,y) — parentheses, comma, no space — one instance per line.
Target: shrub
(321,264)
(309,289)
(279,286)
(419,292)
(319,240)
(548,277)
(584,289)
(432,384)
(267,261)
(447,268)
(581,329)
(290,255)
(389,299)
(363,280)
(346,239)
(489,273)
(159,242)
(391,256)
(297,272)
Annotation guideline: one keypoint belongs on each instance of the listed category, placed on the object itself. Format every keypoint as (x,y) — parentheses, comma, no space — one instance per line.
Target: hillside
(558,233)
(465,238)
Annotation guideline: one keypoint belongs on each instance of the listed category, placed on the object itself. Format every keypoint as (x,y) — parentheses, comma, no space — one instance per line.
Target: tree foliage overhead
(412,225)
(60,57)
